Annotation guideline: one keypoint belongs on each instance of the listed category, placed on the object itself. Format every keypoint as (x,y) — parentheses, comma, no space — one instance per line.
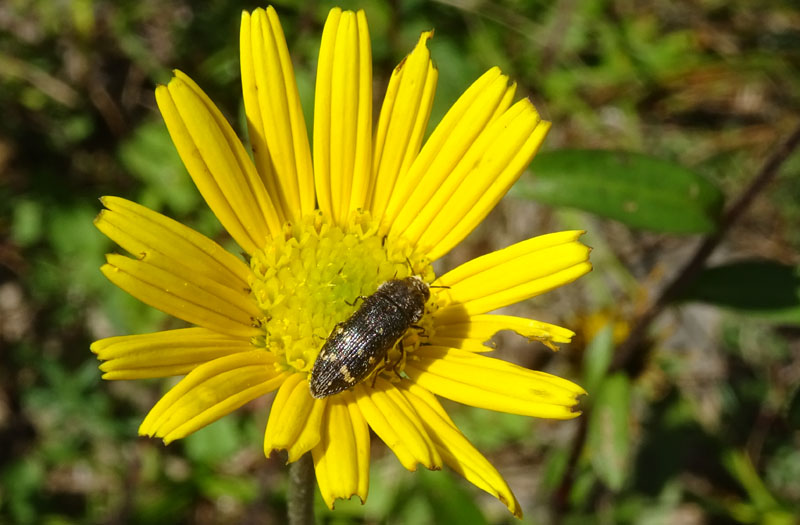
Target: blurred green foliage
(703,424)
(641,191)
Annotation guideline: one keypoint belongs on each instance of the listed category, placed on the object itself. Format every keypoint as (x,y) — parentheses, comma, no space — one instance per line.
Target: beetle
(356,345)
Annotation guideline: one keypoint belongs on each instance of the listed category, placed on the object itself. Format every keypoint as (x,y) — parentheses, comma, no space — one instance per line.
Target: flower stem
(301,491)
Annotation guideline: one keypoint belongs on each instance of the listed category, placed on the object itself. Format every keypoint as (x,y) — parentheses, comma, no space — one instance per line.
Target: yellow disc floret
(311,277)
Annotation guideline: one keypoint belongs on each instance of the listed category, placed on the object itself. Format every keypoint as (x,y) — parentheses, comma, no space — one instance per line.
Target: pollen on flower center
(310,278)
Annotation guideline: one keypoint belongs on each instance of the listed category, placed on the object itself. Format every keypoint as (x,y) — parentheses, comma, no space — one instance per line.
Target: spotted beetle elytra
(357,345)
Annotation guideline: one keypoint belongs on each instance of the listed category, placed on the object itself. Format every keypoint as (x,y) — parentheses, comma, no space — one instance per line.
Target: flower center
(310,278)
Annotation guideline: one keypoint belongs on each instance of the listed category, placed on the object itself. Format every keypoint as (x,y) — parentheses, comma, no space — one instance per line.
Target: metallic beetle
(357,345)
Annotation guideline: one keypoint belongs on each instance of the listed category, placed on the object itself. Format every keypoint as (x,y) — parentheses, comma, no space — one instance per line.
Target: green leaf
(741,467)
(581,492)
(214,443)
(762,506)
(609,437)
(26,224)
(23,483)
(149,155)
(450,500)
(241,489)
(490,430)
(555,467)
(756,287)
(640,191)
(597,358)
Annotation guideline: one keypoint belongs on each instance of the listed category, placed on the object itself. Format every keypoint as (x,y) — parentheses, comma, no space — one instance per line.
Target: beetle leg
(400,360)
(362,297)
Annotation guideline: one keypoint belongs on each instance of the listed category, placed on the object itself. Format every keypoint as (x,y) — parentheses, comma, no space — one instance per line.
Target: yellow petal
(343,115)
(514,138)
(341,459)
(383,428)
(481,328)
(168,244)
(403,121)
(484,382)
(445,149)
(491,260)
(163,354)
(361,442)
(278,132)
(294,420)
(393,420)
(513,274)
(463,343)
(456,450)
(193,298)
(491,152)
(505,103)
(218,163)
(211,391)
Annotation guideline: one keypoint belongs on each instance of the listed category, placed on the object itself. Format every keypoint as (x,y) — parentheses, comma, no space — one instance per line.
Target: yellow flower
(372,206)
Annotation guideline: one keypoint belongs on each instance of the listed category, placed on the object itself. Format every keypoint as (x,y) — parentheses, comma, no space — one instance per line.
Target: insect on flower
(357,345)
(325,220)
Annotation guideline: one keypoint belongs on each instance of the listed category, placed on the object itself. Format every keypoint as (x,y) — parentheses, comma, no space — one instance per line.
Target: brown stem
(301,491)
(695,265)
(562,493)
(627,350)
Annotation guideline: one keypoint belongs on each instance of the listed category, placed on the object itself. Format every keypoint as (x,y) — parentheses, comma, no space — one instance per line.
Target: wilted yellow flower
(322,227)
